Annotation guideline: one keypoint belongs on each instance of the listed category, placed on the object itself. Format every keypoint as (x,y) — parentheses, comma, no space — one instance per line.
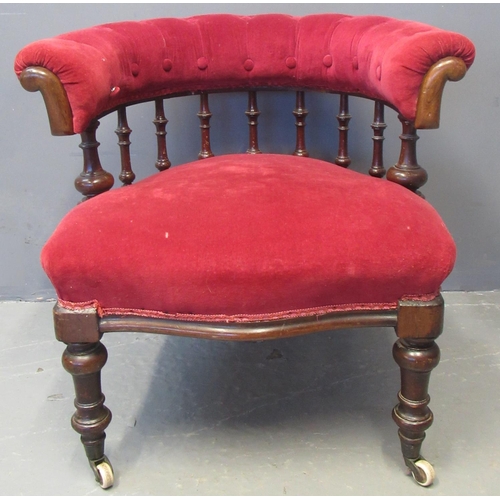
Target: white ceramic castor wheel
(103,472)
(427,474)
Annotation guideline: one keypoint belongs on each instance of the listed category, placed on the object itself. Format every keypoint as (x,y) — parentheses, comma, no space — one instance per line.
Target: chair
(248,246)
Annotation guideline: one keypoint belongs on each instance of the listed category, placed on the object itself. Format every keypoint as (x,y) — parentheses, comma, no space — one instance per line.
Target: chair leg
(417,354)
(416,359)
(84,362)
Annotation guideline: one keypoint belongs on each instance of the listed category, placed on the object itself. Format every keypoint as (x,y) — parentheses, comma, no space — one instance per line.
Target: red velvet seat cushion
(250,236)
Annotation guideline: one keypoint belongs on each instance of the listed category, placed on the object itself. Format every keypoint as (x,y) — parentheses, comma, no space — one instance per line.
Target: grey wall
(37,170)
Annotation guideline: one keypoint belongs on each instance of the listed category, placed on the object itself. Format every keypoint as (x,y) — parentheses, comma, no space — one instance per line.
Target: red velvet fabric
(250,236)
(379,57)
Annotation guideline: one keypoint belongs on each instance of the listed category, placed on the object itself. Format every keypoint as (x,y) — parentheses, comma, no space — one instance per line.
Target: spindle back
(94,179)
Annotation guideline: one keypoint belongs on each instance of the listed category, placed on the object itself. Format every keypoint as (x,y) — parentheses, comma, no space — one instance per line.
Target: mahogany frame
(417,325)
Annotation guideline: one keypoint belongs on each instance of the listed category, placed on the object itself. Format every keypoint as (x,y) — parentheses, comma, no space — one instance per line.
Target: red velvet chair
(248,246)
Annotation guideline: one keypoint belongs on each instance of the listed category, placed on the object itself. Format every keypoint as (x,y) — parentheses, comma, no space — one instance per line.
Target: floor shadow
(331,383)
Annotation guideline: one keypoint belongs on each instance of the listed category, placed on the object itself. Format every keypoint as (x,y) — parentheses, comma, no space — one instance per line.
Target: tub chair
(253,245)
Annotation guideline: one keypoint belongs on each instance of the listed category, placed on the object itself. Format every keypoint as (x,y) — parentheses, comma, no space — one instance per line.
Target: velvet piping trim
(240,318)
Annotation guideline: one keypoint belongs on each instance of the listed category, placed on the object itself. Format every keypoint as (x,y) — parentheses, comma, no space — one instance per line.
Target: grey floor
(301,416)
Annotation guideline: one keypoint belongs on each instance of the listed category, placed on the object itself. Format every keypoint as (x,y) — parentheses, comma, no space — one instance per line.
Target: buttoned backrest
(113,64)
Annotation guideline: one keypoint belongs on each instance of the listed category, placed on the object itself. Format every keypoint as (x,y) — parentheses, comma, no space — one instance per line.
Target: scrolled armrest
(431,91)
(35,79)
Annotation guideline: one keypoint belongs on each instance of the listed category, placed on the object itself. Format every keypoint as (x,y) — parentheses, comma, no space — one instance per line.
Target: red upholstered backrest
(380,58)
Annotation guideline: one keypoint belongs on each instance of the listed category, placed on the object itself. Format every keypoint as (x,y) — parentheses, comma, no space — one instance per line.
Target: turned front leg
(84,362)
(416,358)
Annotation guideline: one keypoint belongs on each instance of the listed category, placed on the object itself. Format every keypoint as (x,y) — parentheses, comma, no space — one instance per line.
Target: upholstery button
(114,90)
(355,63)
(202,63)
(248,65)
(135,69)
(378,72)
(327,60)
(167,65)
(291,62)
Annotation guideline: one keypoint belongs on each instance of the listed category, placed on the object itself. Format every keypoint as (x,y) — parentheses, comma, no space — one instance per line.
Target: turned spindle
(253,114)
(94,179)
(407,172)
(123,132)
(204,115)
(162,162)
(343,118)
(300,112)
(377,169)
